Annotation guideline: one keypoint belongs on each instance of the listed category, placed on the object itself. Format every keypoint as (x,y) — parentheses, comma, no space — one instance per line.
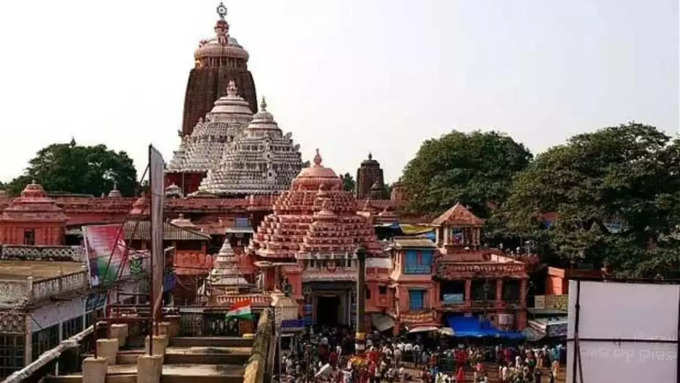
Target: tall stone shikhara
(261,160)
(370,182)
(218,61)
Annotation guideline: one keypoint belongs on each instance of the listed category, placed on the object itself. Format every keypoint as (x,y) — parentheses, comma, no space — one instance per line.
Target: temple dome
(315,217)
(33,204)
(230,105)
(222,45)
(317,175)
(115,193)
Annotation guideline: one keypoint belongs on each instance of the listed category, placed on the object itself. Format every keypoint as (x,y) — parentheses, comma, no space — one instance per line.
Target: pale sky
(345,76)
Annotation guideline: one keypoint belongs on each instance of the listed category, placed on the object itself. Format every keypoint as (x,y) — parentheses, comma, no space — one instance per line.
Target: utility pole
(360,336)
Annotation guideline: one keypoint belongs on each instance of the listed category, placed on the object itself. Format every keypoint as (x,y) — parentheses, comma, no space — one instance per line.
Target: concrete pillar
(361,300)
(108,348)
(149,368)
(94,370)
(163,328)
(160,342)
(499,290)
(174,324)
(523,291)
(119,331)
(28,339)
(468,289)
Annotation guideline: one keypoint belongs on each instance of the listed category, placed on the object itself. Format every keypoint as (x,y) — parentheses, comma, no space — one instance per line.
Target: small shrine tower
(33,219)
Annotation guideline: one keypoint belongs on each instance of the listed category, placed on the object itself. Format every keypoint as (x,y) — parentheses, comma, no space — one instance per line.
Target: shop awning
(471,327)
(382,322)
(423,329)
(533,335)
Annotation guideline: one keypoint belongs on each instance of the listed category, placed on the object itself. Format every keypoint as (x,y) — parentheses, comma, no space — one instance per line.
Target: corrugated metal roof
(401,242)
(170,232)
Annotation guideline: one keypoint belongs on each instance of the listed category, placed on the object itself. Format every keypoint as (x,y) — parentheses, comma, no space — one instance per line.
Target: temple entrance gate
(330,304)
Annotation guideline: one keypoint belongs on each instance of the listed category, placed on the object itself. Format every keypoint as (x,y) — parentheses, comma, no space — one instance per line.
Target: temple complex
(370,182)
(218,61)
(202,150)
(261,160)
(245,222)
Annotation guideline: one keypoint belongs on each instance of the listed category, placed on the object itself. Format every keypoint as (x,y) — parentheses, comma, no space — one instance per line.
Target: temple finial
(221,10)
(263,104)
(317,158)
(232,89)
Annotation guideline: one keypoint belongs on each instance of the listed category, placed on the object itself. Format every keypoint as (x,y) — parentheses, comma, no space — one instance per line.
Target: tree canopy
(475,169)
(615,196)
(348,182)
(72,168)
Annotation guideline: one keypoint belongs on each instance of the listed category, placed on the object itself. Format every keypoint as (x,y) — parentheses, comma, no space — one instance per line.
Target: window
(11,354)
(382,290)
(368,293)
(29,237)
(242,222)
(457,236)
(483,290)
(418,262)
(416,299)
(71,327)
(44,340)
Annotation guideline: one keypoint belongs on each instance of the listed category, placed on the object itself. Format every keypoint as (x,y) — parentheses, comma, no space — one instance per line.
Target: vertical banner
(106,252)
(156,172)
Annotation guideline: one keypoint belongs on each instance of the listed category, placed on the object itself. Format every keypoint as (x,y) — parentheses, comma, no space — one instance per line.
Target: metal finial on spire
(370,155)
(221,10)
(317,158)
(263,104)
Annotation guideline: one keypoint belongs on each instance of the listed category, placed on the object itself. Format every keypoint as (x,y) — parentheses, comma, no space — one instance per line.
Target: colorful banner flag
(240,310)
(106,253)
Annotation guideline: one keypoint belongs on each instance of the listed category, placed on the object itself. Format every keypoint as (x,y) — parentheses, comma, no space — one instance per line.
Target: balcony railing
(26,290)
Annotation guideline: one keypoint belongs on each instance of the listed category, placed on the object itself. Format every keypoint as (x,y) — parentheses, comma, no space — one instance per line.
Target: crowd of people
(328,355)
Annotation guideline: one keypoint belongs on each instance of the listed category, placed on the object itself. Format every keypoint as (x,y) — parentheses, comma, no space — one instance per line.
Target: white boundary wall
(616,312)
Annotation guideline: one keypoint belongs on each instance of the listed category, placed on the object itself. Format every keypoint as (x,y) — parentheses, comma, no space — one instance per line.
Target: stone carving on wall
(12,322)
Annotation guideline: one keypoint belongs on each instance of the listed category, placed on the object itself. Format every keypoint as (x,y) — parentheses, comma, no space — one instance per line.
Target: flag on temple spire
(240,310)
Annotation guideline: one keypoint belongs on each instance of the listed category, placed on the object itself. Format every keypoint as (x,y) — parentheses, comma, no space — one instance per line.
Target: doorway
(327,310)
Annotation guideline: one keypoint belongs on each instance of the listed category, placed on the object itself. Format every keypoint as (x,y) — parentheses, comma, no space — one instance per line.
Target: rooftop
(39,270)
(458,215)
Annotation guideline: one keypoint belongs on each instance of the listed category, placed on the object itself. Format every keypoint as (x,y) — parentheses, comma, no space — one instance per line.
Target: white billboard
(627,332)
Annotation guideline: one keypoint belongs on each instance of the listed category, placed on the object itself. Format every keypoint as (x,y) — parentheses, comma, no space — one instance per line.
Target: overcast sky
(346,76)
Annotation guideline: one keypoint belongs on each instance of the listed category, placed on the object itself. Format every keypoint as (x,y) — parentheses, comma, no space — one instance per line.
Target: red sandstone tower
(218,61)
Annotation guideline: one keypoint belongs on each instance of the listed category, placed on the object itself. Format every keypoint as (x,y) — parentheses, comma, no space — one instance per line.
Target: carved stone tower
(217,61)
(370,183)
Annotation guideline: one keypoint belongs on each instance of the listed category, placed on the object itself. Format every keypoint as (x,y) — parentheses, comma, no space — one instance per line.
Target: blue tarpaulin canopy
(471,327)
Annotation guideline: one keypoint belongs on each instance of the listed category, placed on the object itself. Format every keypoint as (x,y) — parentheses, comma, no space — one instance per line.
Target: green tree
(475,169)
(71,168)
(616,195)
(348,183)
